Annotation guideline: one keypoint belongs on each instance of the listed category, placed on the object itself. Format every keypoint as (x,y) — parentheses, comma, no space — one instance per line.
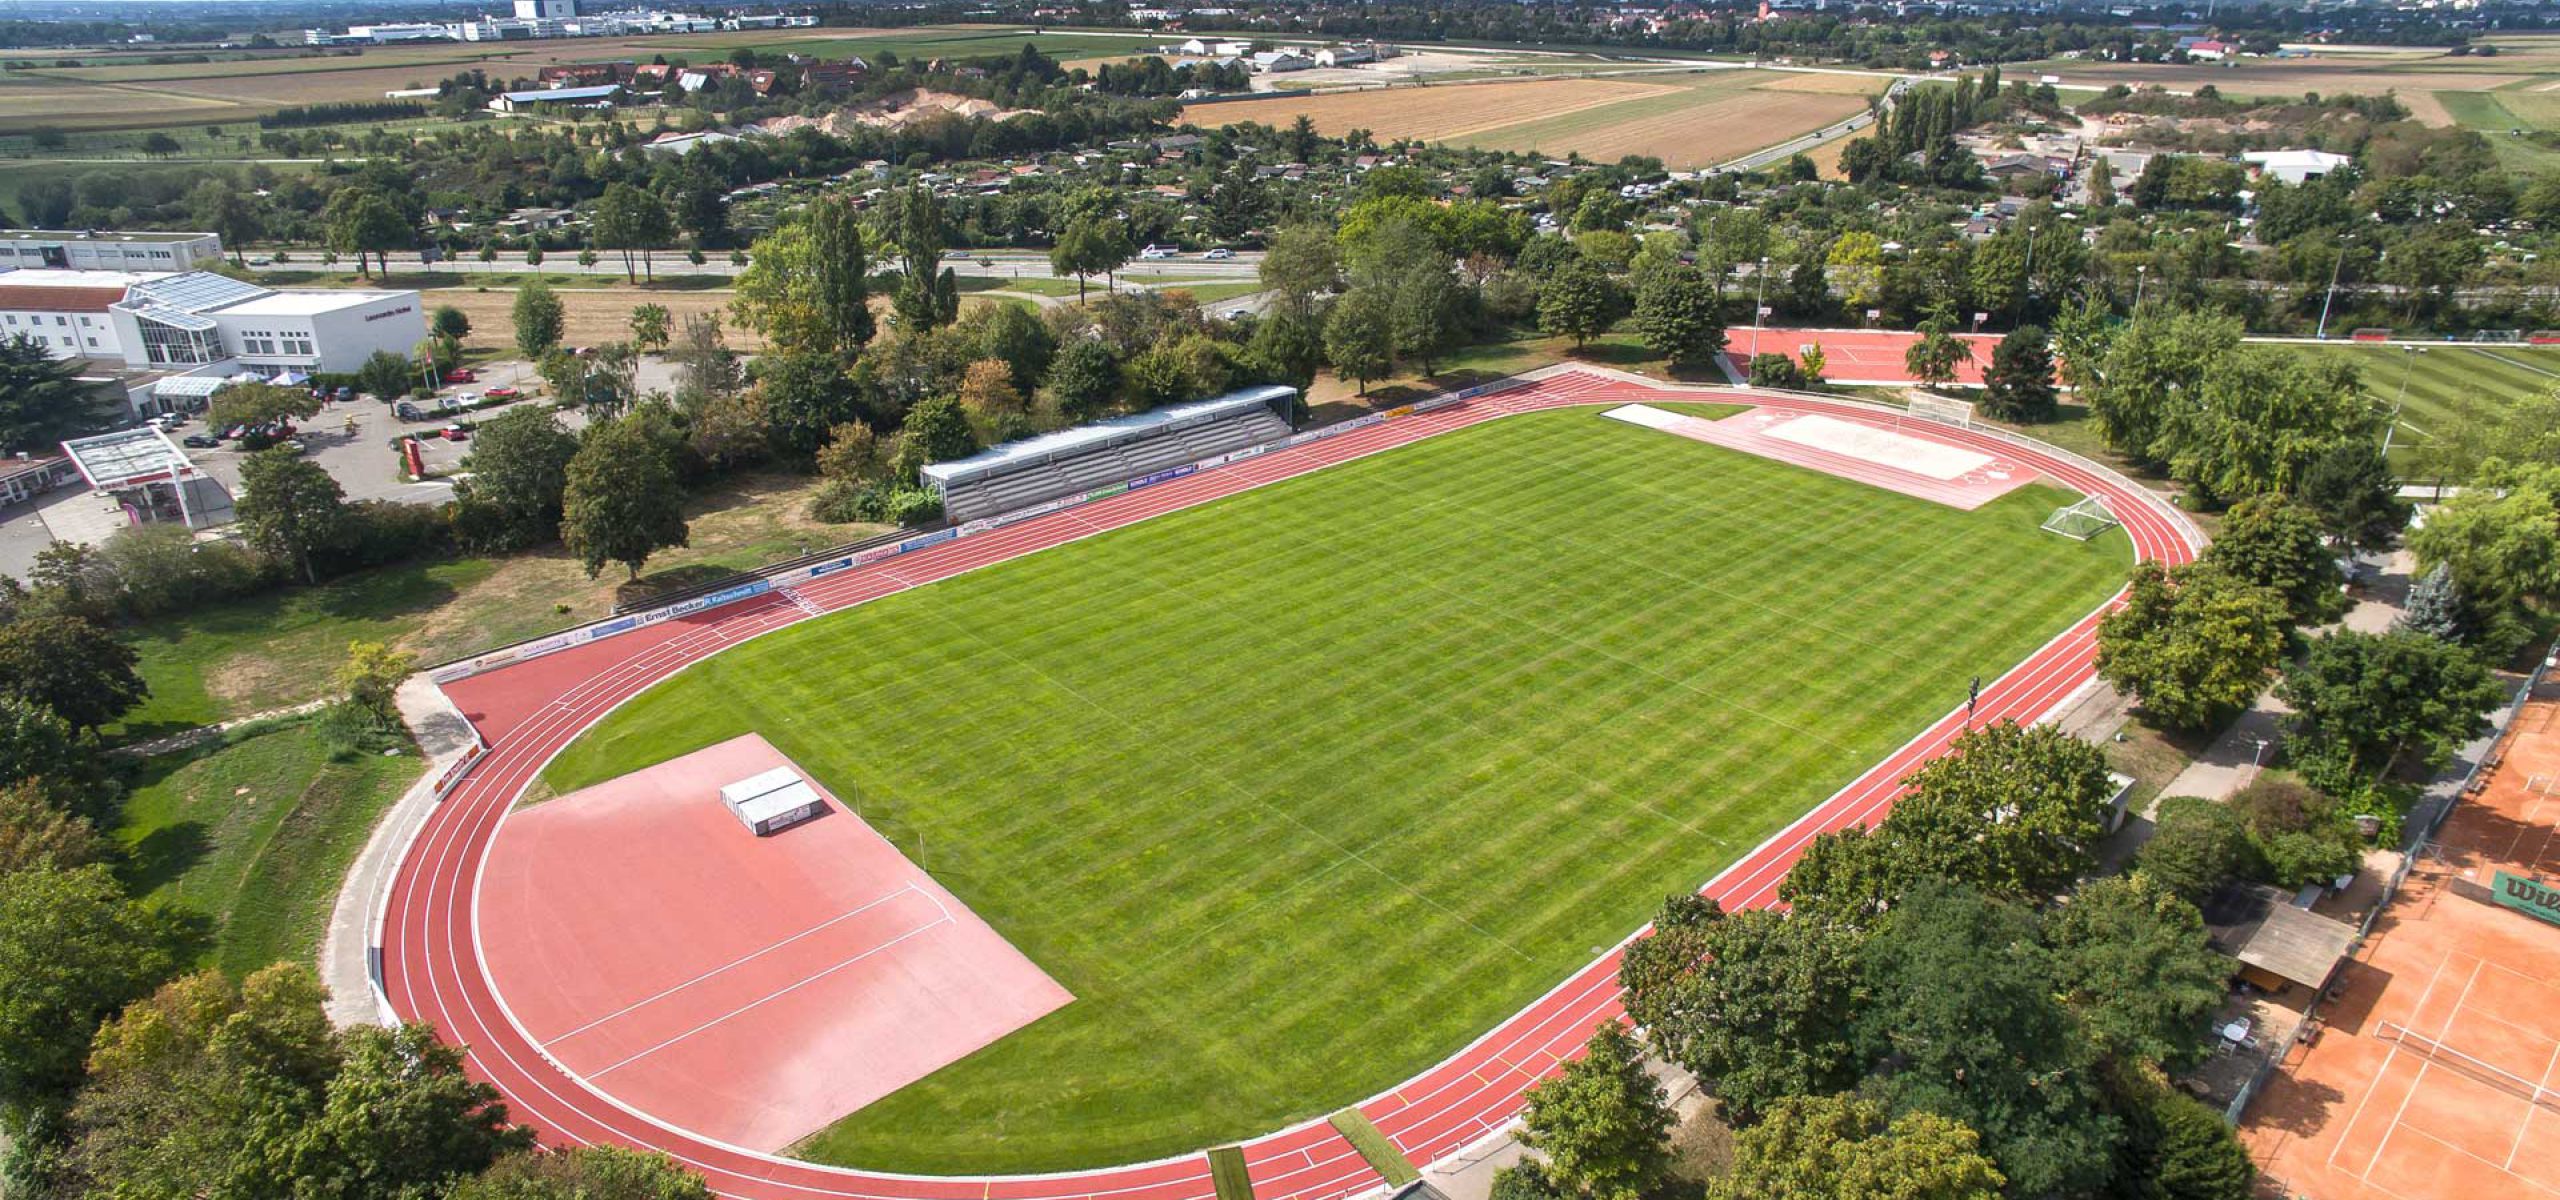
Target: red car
(502,392)
(461,375)
(456,433)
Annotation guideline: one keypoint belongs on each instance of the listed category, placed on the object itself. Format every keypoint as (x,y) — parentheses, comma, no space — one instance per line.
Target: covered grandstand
(1020,474)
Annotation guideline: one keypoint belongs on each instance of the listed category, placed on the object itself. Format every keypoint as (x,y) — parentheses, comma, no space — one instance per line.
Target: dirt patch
(595,315)
(2427,109)
(897,109)
(1428,113)
(1829,84)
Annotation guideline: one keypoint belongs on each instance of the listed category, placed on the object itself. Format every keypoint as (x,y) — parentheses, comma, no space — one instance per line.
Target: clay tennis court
(2437,1074)
(747,989)
(1852,355)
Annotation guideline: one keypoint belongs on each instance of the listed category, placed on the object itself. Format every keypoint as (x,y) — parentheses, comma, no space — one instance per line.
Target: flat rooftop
(99,235)
(58,277)
(300,304)
(127,457)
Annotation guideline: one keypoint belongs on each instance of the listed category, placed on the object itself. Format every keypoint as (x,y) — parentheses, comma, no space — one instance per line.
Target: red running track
(431,969)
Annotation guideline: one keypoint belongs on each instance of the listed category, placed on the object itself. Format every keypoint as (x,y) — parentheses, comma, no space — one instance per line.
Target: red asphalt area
(528,711)
(1854,355)
(749,989)
(1987,477)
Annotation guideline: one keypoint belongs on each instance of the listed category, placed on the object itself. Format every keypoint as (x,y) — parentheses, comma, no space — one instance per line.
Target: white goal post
(2081,519)
(1925,406)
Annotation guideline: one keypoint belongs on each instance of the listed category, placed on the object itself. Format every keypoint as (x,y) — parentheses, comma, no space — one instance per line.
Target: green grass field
(2449,383)
(2498,116)
(1298,791)
(254,832)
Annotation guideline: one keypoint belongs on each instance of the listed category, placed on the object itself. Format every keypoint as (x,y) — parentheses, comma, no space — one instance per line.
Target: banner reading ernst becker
(2526,896)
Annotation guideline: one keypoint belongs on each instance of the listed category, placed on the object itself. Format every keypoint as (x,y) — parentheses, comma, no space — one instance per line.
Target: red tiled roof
(28,298)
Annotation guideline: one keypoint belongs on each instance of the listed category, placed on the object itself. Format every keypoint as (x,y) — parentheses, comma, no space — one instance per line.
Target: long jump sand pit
(748,989)
(1871,452)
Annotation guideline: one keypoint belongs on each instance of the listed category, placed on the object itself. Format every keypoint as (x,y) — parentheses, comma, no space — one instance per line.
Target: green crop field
(2509,119)
(2448,383)
(1298,791)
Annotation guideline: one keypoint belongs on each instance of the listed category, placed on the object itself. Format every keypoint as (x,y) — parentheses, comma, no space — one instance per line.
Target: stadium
(1266,823)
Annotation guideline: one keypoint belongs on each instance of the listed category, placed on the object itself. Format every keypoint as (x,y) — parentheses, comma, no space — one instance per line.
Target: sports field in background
(1298,791)
(2448,383)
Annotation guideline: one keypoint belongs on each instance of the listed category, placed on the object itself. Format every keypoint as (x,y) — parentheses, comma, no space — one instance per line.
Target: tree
(2132,958)
(37,833)
(1422,312)
(290,507)
(839,275)
(1604,1124)
(371,678)
(449,322)
(2195,844)
(649,326)
(36,743)
(597,1172)
(2148,363)
(1084,379)
(386,376)
(853,454)
(1083,250)
(1579,301)
(540,319)
(1677,315)
(519,471)
(1758,1004)
(2197,1155)
(806,393)
(2193,644)
(2018,386)
(1359,337)
(2356,495)
(2277,544)
(627,219)
(73,950)
(2259,419)
(912,220)
(228,211)
(1938,355)
(621,501)
(262,404)
(42,400)
(400,1117)
(2362,700)
(2434,607)
(2012,810)
(1856,260)
(1842,1148)
(1975,1033)
(1301,264)
(360,220)
(939,430)
(70,668)
(986,389)
(2500,540)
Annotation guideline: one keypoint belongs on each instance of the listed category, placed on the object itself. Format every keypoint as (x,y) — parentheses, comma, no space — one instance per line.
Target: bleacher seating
(1021,474)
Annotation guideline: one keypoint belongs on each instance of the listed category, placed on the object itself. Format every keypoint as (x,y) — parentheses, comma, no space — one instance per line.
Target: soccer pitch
(1300,790)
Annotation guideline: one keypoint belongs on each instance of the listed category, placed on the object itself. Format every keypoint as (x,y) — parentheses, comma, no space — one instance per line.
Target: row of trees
(1942,1010)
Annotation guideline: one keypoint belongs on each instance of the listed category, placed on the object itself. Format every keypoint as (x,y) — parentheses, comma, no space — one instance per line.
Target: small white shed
(773,801)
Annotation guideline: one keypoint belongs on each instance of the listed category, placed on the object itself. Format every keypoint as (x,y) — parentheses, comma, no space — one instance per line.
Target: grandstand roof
(1067,443)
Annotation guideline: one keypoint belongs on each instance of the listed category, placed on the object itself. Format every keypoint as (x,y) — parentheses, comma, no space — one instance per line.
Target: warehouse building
(190,320)
(107,250)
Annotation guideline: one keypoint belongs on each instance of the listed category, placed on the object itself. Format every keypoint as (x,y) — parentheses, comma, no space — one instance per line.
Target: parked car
(200,441)
(408,412)
(461,375)
(458,400)
(502,392)
(343,395)
(1235,314)
(456,433)
(1161,252)
(1221,254)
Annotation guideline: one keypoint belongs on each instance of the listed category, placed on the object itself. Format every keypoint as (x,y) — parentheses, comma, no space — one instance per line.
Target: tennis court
(2436,1073)
(1870,356)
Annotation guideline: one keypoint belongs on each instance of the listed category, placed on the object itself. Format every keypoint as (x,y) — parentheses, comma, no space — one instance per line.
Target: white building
(400,33)
(600,96)
(546,10)
(2294,166)
(1272,62)
(102,250)
(196,319)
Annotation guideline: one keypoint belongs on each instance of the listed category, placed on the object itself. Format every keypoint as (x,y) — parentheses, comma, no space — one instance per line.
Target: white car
(1221,254)
(1153,252)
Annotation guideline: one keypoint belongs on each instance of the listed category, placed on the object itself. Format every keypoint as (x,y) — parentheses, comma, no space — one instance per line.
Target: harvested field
(1828,83)
(2293,77)
(595,315)
(1685,120)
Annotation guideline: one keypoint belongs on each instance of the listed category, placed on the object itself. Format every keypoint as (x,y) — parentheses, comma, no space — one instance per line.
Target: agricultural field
(1220,788)
(2409,75)
(1686,120)
(2447,384)
(2509,119)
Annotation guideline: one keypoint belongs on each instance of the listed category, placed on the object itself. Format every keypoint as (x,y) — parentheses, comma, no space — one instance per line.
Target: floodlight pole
(2322,333)
(1759,303)
(2409,362)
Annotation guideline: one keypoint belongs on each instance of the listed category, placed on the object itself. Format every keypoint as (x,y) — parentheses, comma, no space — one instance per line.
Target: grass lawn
(2448,384)
(230,660)
(254,832)
(2498,115)
(1290,829)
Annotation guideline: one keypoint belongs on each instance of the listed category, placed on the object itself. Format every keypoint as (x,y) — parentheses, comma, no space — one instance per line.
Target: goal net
(1926,407)
(2081,520)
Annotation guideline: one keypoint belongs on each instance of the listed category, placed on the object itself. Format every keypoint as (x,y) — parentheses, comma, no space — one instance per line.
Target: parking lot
(352,441)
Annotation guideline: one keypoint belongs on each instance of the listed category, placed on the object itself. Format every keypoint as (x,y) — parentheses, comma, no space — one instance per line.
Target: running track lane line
(1476,1091)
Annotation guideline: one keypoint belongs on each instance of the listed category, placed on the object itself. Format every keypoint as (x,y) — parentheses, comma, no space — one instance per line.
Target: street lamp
(2322,333)
(1759,303)
(2141,276)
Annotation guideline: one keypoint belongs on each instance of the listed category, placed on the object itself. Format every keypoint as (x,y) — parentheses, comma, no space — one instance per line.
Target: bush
(1774,370)
(350,730)
(386,531)
(844,502)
